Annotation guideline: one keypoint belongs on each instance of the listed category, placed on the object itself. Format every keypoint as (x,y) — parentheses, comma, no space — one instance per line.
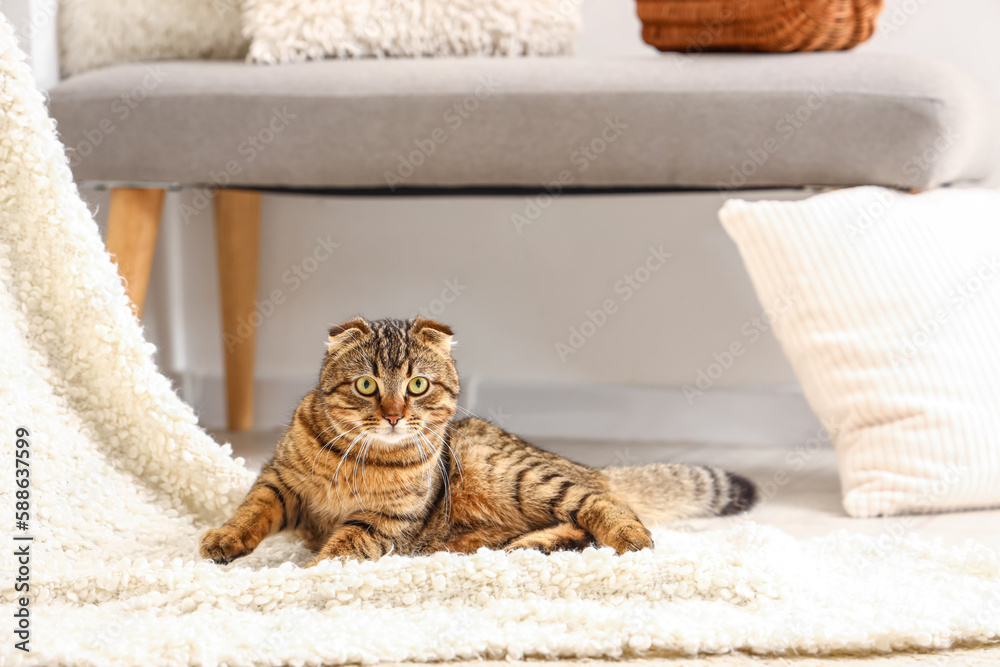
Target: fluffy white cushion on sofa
(98,33)
(894,336)
(295,30)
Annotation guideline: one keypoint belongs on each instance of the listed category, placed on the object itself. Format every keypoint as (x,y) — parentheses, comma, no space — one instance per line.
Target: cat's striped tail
(664,492)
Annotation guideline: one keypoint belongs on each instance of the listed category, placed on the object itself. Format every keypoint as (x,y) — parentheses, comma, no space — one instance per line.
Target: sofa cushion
(98,33)
(288,31)
(671,121)
(886,305)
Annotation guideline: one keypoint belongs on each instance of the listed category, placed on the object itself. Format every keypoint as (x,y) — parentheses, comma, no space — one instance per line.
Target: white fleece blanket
(123,481)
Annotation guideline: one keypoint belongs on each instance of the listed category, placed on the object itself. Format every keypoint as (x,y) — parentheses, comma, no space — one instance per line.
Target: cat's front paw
(631,536)
(223,545)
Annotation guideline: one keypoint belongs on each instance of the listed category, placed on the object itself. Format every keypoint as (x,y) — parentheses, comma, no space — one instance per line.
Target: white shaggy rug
(123,481)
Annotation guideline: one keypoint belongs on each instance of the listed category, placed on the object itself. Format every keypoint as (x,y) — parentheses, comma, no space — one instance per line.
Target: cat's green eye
(418,386)
(366,385)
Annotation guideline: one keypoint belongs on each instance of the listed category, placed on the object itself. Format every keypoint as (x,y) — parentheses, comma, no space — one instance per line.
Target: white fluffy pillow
(895,335)
(98,33)
(284,31)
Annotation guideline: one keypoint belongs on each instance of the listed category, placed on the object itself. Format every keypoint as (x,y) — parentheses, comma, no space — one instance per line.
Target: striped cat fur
(374,464)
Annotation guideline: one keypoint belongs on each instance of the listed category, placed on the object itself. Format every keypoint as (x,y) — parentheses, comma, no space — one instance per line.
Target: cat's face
(389,383)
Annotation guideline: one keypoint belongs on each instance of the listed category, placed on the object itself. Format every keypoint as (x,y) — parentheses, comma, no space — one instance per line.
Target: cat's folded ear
(347,332)
(432,333)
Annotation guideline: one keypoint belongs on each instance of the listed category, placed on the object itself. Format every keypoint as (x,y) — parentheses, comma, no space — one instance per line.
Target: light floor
(800,495)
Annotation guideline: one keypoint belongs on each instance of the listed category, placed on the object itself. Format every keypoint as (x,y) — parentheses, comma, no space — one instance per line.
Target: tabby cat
(373,464)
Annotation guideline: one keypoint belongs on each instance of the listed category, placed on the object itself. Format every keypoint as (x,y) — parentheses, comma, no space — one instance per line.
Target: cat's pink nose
(393,418)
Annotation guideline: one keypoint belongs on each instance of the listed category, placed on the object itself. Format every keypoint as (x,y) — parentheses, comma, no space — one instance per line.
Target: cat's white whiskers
(470,412)
(446,480)
(444,441)
(346,421)
(343,457)
(366,445)
(325,447)
(423,457)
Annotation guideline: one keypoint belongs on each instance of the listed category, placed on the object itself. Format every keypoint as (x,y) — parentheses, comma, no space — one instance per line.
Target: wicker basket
(757,25)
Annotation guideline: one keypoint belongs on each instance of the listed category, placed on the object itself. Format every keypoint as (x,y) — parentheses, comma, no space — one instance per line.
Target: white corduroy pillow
(285,31)
(894,335)
(99,33)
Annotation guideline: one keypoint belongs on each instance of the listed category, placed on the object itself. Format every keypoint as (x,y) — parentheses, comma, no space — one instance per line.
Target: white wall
(521,293)
(34,23)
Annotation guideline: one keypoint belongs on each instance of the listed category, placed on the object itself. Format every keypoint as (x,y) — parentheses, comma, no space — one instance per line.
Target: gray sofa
(826,119)
(674,122)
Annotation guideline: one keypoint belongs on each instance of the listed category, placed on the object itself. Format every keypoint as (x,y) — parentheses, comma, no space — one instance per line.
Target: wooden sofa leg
(237,229)
(133,221)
